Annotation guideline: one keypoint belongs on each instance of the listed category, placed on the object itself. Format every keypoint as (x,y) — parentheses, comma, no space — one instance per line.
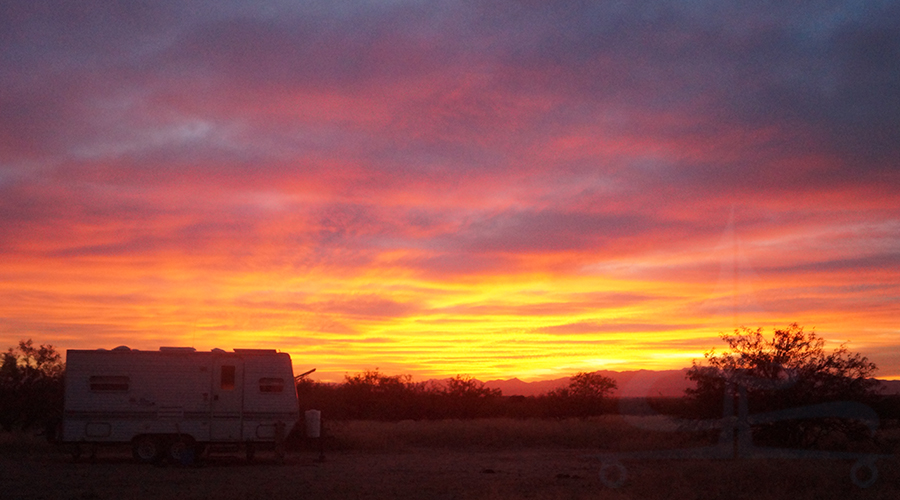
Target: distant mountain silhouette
(890,387)
(632,384)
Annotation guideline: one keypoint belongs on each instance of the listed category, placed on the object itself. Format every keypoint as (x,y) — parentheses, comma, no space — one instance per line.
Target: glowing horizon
(494,189)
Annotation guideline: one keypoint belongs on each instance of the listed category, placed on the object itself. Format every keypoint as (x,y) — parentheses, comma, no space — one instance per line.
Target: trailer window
(271,385)
(107,383)
(227,378)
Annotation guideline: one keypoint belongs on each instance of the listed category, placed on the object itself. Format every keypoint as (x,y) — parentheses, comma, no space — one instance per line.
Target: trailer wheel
(147,449)
(864,473)
(182,451)
(613,474)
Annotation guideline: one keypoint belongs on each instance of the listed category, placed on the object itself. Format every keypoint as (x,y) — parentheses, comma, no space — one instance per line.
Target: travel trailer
(175,402)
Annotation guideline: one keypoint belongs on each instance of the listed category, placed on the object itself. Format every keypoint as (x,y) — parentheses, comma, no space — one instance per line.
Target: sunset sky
(492,188)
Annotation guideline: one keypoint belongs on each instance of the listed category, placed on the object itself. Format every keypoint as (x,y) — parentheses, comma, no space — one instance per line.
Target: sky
(489,188)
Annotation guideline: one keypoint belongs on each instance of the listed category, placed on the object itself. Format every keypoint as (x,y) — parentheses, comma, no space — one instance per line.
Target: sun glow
(441,191)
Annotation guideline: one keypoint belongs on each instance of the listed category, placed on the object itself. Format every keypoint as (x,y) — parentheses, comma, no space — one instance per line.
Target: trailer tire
(182,451)
(613,474)
(147,449)
(864,473)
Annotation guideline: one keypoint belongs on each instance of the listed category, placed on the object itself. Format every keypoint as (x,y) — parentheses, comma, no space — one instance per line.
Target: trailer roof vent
(255,351)
(177,349)
(217,350)
(122,348)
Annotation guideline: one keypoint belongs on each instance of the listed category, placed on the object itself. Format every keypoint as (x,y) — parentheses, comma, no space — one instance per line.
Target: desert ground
(455,460)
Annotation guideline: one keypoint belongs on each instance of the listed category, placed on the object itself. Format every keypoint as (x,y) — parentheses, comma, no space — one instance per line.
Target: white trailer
(176,401)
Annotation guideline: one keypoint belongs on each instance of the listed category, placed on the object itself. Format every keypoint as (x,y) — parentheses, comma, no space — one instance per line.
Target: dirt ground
(427,474)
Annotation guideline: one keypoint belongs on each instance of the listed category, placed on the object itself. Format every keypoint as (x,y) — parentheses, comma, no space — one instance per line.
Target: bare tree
(31,379)
(787,370)
(583,397)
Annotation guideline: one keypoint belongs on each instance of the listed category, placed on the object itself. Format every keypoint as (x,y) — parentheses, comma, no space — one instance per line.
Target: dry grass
(23,444)
(496,459)
(602,433)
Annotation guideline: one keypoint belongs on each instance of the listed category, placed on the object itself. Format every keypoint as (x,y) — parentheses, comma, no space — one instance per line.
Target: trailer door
(227,400)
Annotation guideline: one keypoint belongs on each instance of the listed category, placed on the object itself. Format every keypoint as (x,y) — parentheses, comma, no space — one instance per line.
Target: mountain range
(631,384)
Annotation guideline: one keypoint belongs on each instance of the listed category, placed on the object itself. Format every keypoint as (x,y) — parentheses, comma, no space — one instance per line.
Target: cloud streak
(495,188)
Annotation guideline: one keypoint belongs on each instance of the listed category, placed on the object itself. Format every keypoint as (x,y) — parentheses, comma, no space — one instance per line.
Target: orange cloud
(466,189)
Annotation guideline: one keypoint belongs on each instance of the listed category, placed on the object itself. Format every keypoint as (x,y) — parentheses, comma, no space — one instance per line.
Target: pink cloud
(174,160)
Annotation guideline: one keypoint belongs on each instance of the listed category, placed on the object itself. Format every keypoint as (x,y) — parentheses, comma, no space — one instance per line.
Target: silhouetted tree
(791,369)
(583,397)
(31,386)
(466,397)
(374,395)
